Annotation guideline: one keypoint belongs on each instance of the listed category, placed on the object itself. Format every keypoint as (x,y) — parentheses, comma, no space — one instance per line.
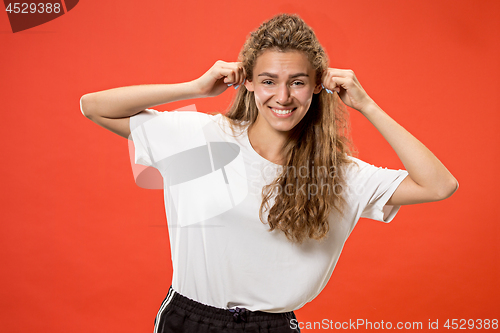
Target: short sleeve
(159,135)
(371,187)
(138,135)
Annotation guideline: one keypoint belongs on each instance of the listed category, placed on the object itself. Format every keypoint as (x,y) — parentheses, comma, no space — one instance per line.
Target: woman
(280,154)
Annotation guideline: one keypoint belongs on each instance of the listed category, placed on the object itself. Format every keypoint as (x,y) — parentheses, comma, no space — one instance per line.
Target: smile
(282,111)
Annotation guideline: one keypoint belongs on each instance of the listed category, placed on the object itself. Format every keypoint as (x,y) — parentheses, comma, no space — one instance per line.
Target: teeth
(282,111)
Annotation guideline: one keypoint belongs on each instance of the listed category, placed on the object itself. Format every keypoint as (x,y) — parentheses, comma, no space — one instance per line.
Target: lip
(282,115)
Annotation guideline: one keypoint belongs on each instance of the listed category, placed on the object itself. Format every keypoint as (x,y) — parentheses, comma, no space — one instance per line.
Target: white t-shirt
(222,254)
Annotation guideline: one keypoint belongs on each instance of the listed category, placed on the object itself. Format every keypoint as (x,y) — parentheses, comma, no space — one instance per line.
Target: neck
(267,142)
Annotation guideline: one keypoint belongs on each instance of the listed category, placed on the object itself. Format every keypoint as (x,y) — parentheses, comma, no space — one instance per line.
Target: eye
(267,82)
(297,83)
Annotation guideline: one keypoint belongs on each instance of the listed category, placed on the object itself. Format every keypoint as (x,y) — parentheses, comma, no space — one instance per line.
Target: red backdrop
(86,250)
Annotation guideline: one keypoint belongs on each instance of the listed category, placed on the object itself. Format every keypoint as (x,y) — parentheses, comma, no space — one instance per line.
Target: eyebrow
(275,76)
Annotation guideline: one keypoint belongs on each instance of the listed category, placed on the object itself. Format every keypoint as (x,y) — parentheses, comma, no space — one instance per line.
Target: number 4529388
(463,324)
(32,8)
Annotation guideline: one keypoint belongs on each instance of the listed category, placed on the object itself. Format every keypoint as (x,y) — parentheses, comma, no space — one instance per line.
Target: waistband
(228,315)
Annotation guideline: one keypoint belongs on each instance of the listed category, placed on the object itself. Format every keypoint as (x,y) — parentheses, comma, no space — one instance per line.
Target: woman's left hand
(344,82)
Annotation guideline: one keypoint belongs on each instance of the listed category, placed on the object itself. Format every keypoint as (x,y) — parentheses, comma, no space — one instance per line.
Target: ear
(249,85)
(317,89)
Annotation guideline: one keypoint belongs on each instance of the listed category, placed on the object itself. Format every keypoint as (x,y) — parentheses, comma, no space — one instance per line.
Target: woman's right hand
(112,108)
(219,77)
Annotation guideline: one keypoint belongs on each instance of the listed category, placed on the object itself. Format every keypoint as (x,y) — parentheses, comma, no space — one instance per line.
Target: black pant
(179,314)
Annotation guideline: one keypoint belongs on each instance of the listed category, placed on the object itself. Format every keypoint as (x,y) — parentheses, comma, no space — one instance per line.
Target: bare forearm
(127,101)
(428,180)
(423,167)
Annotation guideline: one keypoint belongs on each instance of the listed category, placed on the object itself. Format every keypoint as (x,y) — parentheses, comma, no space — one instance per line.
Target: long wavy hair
(319,141)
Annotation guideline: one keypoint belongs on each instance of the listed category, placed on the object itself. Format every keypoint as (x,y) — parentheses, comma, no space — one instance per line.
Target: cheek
(262,95)
(304,95)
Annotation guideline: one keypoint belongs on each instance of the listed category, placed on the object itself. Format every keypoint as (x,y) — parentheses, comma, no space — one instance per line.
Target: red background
(86,250)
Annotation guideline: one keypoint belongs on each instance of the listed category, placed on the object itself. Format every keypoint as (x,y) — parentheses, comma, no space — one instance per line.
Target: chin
(284,127)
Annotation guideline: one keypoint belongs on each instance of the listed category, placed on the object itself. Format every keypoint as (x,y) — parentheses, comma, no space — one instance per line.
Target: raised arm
(112,108)
(428,180)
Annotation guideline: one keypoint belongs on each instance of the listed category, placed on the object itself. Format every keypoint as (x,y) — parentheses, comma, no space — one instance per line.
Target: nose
(283,94)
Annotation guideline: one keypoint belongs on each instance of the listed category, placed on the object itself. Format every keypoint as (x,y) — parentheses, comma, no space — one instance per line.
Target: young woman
(261,200)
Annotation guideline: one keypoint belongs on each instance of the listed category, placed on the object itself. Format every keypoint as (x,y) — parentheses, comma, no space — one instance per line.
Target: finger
(339,83)
(326,81)
(229,75)
(347,74)
(244,74)
(326,89)
(241,76)
(323,75)
(338,72)
(237,77)
(234,74)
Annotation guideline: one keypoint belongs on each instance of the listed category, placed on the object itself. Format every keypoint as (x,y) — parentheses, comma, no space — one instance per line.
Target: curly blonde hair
(320,140)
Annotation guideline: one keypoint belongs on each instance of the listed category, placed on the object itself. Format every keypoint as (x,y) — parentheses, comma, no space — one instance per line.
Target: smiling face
(283,84)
